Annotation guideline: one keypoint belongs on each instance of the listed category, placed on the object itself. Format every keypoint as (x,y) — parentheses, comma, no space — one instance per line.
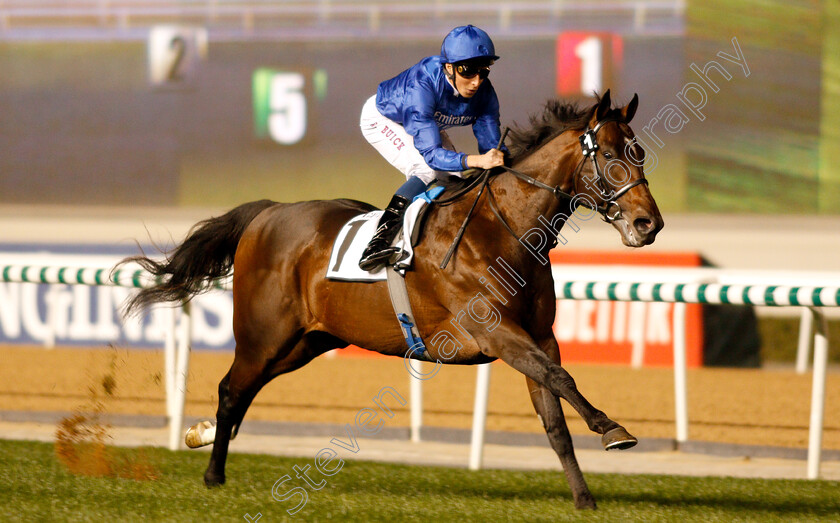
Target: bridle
(589,147)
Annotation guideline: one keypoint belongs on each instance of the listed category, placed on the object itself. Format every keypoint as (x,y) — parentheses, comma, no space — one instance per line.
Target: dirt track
(766,407)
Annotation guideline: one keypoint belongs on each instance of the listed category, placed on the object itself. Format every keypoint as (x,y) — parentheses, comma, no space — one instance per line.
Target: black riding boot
(379,249)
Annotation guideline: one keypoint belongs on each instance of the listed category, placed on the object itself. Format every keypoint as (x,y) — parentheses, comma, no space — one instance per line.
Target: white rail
(96,271)
(706,286)
(679,286)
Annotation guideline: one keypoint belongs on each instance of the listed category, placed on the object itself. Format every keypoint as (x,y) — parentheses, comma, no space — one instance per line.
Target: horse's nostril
(643,225)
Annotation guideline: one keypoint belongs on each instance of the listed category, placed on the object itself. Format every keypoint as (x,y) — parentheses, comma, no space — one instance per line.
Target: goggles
(469,71)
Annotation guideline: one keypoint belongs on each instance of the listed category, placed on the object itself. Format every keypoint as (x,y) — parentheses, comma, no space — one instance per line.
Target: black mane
(557,117)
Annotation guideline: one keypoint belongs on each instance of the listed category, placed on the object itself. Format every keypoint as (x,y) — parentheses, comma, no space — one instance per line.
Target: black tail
(205,255)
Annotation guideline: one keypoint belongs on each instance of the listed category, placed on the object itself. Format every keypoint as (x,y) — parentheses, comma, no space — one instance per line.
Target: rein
(589,147)
(484,180)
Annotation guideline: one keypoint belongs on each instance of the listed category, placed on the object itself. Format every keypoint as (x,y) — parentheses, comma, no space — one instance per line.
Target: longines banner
(91,316)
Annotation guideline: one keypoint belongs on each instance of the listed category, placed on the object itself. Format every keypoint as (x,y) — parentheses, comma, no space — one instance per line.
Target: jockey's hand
(488,160)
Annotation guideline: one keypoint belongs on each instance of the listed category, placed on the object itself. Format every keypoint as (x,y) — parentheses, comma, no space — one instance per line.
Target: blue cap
(465,43)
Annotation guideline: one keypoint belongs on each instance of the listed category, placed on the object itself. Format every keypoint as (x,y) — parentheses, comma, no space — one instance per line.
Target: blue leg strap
(415,344)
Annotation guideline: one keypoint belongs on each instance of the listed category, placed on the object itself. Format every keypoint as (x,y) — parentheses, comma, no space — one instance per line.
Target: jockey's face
(467,79)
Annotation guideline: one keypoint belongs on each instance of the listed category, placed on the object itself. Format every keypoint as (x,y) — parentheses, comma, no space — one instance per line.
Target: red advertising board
(606,332)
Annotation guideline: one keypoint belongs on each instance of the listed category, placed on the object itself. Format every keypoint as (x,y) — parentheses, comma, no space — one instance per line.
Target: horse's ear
(603,106)
(629,111)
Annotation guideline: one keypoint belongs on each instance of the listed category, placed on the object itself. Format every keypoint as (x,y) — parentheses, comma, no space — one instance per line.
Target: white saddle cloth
(355,236)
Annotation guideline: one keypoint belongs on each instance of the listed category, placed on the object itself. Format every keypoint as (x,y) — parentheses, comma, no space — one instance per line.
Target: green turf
(35,487)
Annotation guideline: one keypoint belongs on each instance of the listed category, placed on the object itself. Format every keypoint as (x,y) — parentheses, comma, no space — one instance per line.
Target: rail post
(815,429)
(482,392)
(179,363)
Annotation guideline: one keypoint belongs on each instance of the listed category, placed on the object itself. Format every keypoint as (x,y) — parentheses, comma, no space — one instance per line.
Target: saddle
(351,242)
(357,232)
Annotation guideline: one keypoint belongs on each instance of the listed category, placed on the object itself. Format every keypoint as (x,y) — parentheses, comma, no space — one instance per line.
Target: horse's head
(610,172)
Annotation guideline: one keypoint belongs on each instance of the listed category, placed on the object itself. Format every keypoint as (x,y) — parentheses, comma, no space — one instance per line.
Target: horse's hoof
(200,435)
(585,502)
(618,438)
(212,480)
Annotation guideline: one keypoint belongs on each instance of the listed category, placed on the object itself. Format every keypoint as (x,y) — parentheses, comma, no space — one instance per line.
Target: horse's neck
(523,207)
(522,204)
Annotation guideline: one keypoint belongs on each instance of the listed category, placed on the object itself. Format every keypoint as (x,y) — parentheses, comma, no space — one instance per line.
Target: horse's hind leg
(236,391)
(550,412)
(242,383)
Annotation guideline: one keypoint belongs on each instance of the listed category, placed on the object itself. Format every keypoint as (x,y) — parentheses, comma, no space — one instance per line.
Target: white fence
(97,271)
(809,290)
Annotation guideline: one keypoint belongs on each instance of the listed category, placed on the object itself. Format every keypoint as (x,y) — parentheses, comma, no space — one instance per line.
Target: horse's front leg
(550,412)
(512,344)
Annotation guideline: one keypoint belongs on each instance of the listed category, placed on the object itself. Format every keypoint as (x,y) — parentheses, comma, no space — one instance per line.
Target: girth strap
(402,308)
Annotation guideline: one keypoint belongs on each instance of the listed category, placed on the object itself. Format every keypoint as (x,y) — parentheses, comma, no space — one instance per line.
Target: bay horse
(286,312)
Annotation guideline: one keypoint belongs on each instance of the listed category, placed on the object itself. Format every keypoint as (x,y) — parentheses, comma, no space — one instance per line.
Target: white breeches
(395,144)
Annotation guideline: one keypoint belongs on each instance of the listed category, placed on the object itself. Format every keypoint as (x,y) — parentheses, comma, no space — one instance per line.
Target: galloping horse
(286,312)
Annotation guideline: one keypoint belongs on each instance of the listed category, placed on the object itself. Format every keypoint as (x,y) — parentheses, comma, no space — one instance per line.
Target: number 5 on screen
(279,106)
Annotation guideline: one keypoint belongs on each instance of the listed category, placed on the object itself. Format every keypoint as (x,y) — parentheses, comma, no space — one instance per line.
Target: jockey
(406,120)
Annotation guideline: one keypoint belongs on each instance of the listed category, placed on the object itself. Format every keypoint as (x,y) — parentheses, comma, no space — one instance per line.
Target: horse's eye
(607,155)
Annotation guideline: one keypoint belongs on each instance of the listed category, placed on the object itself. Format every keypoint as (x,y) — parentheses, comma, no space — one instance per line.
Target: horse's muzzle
(640,230)
(646,228)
